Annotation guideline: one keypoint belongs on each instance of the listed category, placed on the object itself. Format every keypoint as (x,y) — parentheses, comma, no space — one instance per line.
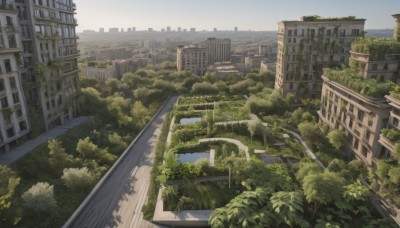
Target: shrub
(40,198)
(77,179)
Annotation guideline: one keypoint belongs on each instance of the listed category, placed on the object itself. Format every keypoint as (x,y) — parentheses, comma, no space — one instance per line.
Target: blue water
(190,120)
(192,157)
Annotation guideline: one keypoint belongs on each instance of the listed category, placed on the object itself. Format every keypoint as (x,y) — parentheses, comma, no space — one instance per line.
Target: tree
(58,159)
(77,179)
(201,88)
(87,149)
(140,114)
(336,165)
(8,182)
(289,207)
(322,188)
(252,126)
(310,132)
(396,152)
(356,191)
(40,198)
(337,138)
(307,168)
(394,176)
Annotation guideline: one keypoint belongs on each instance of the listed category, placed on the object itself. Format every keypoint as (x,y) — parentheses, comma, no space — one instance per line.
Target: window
(2,84)
(374,66)
(367,135)
(360,115)
(364,151)
(289,32)
(351,123)
(382,78)
(295,32)
(328,32)
(10,132)
(15,97)
(19,112)
(12,82)
(355,145)
(355,32)
(22,126)
(7,65)
(4,102)
(291,86)
(342,32)
(385,67)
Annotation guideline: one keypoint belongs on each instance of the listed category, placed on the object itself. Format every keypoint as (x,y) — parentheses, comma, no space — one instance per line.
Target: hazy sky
(259,15)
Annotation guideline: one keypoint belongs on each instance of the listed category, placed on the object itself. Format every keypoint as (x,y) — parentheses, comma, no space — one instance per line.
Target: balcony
(8,6)
(45,18)
(11,28)
(386,143)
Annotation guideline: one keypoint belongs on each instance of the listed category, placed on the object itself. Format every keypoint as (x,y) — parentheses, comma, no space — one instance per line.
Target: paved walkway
(239,144)
(16,153)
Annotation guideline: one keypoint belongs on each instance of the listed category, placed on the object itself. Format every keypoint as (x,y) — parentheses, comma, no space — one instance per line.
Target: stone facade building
(192,58)
(305,47)
(13,116)
(218,50)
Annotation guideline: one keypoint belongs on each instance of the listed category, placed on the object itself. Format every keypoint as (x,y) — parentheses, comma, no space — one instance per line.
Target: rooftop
(376,48)
(366,87)
(316,18)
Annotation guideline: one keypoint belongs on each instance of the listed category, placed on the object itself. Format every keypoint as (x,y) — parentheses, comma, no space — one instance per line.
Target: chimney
(396,34)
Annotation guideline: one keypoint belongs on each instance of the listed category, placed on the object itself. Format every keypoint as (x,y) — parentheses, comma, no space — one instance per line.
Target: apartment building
(192,58)
(13,116)
(50,70)
(356,99)
(361,117)
(388,145)
(376,59)
(306,46)
(218,50)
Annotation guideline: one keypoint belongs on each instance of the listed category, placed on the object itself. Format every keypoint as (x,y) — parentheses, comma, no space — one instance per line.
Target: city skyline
(223,14)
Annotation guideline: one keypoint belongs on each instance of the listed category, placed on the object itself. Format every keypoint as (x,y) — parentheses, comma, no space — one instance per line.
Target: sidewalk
(15,153)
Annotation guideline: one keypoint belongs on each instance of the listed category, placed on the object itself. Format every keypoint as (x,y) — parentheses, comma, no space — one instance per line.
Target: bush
(40,198)
(77,179)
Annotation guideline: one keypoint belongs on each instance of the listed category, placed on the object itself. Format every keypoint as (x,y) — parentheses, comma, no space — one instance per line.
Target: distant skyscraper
(122,30)
(236,29)
(179,29)
(305,47)
(218,50)
(129,29)
(101,29)
(192,29)
(150,29)
(162,30)
(184,30)
(133,29)
(215,29)
(168,28)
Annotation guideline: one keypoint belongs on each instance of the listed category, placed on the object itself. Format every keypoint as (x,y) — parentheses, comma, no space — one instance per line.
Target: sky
(256,15)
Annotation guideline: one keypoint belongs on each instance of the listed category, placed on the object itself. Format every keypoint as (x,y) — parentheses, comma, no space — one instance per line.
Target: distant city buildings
(168,28)
(305,47)
(150,30)
(192,29)
(192,58)
(254,62)
(107,54)
(235,29)
(113,30)
(101,30)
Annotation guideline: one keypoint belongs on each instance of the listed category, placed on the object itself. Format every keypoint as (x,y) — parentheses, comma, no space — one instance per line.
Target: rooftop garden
(376,48)
(319,18)
(96,64)
(352,80)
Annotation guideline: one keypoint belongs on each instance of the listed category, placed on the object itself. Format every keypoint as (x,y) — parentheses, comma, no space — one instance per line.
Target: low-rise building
(223,69)
(254,62)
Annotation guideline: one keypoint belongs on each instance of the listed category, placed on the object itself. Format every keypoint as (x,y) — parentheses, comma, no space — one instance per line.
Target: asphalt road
(119,201)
